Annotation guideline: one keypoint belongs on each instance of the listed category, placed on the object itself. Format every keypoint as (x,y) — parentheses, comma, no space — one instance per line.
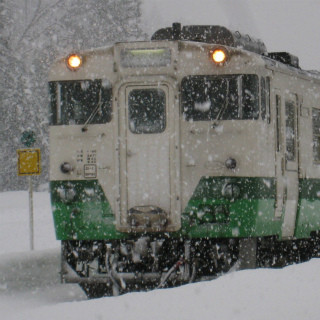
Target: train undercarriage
(107,268)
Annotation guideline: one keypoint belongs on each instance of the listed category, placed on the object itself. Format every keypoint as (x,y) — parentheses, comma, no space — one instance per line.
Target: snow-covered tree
(32,34)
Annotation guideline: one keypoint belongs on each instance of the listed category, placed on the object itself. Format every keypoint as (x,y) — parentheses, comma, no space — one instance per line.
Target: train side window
(265,98)
(268,99)
(290,131)
(316,134)
(147,111)
(278,120)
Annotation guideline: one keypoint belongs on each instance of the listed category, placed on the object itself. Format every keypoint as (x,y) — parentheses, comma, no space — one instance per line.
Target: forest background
(33,33)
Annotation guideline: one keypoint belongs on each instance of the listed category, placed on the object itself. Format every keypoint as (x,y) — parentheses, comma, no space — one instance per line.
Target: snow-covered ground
(30,287)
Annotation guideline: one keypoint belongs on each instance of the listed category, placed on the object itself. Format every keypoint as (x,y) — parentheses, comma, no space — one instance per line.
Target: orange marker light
(74,61)
(219,56)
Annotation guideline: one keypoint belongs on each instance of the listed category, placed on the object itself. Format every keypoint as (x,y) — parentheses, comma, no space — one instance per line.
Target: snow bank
(30,285)
(290,293)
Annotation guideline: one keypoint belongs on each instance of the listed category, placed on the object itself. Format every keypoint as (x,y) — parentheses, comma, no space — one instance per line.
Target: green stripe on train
(308,216)
(232,207)
(219,207)
(86,216)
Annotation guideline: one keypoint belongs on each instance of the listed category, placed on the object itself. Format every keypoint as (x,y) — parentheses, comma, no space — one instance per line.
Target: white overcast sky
(283,25)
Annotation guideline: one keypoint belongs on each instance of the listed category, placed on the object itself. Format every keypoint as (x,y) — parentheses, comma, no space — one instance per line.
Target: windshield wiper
(92,115)
(222,110)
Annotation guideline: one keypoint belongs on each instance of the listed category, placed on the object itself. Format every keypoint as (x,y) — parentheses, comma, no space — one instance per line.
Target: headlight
(219,56)
(74,61)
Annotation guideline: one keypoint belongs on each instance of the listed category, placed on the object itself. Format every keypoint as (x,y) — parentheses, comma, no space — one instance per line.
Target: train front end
(161,159)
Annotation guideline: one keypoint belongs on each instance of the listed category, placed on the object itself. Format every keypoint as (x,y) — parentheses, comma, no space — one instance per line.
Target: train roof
(218,35)
(213,34)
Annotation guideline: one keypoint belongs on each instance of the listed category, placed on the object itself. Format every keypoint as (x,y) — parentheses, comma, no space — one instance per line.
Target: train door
(148,176)
(287,162)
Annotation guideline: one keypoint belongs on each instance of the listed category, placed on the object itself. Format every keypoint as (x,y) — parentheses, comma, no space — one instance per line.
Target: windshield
(147,110)
(74,102)
(204,96)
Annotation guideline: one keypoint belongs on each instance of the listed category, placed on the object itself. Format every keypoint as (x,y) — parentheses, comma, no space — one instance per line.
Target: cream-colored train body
(238,170)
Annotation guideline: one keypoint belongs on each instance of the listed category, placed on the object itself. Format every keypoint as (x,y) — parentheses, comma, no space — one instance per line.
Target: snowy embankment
(30,287)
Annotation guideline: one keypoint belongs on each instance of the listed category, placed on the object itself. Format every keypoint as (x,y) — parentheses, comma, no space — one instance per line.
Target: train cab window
(77,102)
(316,134)
(290,131)
(209,98)
(147,110)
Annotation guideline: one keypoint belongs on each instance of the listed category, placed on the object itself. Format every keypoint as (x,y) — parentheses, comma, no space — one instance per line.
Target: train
(182,158)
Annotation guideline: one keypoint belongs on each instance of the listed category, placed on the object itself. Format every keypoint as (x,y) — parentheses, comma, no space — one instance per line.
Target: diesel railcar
(176,159)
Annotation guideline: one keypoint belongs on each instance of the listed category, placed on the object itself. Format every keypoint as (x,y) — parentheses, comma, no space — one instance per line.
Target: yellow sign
(29,162)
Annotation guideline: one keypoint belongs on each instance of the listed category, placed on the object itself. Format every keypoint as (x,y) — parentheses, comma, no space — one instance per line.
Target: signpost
(29,164)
